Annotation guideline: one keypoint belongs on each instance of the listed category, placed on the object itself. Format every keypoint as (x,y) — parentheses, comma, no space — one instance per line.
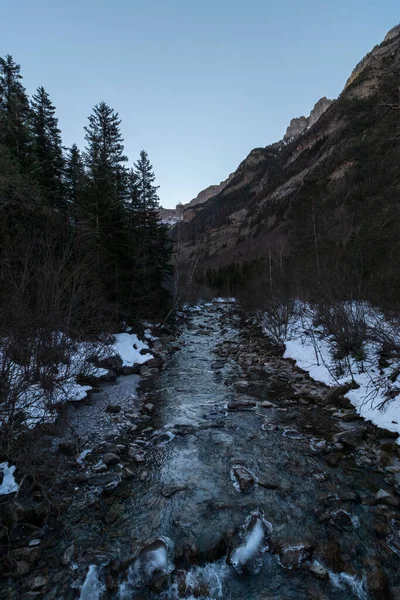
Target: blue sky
(197,84)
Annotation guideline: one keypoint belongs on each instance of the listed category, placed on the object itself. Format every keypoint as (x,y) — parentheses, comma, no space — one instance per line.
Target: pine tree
(48,148)
(15,114)
(74,179)
(103,204)
(150,236)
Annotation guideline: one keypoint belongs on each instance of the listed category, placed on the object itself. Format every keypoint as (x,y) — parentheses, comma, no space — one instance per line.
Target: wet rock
(152,561)
(68,554)
(342,519)
(105,479)
(137,455)
(377,583)
(384,497)
(241,386)
(111,459)
(21,568)
(388,445)
(293,555)
(113,409)
(266,482)
(149,407)
(241,405)
(350,437)
(143,476)
(133,370)
(170,490)
(69,447)
(111,584)
(38,582)
(160,584)
(267,404)
(111,447)
(128,473)
(154,363)
(244,478)
(114,513)
(110,363)
(318,570)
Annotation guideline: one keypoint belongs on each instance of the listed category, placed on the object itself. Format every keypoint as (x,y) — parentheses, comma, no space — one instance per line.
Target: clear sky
(197,83)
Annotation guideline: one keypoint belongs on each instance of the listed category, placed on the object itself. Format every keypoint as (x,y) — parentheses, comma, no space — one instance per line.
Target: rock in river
(111,459)
(243,478)
(241,405)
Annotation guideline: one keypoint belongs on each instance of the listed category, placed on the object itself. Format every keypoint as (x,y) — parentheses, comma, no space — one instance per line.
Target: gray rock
(244,478)
(241,405)
(318,570)
(113,408)
(267,404)
(350,437)
(384,497)
(38,582)
(105,479)
(111,459)
(68,554)
(170,490)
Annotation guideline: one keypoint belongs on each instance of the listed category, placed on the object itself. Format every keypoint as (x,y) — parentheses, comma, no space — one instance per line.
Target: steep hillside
(321,205)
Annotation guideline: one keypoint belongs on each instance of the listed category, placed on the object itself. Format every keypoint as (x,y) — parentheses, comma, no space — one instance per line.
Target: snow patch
(8,485)
(128,346)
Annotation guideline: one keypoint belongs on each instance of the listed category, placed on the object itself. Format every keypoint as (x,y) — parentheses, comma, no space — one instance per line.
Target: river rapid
(231,481)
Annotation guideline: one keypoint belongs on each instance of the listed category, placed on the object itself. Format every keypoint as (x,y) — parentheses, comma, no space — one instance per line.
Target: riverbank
(257,482)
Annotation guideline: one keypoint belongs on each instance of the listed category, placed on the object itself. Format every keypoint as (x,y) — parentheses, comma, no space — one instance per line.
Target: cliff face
(299,125)
(332,164)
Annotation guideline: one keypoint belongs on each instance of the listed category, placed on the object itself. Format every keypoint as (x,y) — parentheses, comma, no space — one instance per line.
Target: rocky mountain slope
(324,200)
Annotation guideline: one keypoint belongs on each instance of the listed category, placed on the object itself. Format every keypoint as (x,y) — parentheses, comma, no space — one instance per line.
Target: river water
(251,503)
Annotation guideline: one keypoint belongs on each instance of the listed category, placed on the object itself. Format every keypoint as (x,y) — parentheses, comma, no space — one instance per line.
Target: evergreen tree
(15,114)
(48,148)
(74,179)
(103,203)
(150,235)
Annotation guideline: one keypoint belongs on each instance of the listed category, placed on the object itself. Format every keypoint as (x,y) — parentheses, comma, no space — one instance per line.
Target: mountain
(319,208)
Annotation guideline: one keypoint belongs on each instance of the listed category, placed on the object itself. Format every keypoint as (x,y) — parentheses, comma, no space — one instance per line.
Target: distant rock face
(209,192)
(300,124)
(394,32)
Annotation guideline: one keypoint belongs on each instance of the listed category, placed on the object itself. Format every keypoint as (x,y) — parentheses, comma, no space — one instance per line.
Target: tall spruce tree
(48,148)
(74,180)
(103,203)
(150,235)
(15,114)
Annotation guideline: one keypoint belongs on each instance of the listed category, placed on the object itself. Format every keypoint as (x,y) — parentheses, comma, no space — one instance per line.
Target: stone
(21,568)
(266,482)
(170,490)
(377,583)
(68,447)
(110,363)
(241,386)
(340,518)
(110,447)
(241,405)
(293,555)
(149,407)
(318,570)
(384,497)
(133,370)
(67,555)
(111,459)
(388,445)
(143,476)
(267,404)
(113,408)
(105,479)
(128,473)
(350,437)
(244,478)
(154,363)
(38,582)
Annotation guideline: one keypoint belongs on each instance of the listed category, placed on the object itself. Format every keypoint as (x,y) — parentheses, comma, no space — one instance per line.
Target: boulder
(111,459)
(383,497)
(350,437)
(244,478)
(113,408)
(241,405)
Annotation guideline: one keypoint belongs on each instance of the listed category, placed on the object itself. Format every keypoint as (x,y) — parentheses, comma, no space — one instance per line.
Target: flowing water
(242,504)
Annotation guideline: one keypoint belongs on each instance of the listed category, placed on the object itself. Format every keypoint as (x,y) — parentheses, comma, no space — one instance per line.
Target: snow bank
(128,346)
(8,485)
(313,351)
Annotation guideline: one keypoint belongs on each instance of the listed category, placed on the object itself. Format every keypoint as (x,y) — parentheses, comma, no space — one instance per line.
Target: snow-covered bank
(8,484)
(314,350)
(36,389)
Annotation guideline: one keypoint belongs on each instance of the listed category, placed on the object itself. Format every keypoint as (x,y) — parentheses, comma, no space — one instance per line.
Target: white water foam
(252,545)
(341,581)
(92,588)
